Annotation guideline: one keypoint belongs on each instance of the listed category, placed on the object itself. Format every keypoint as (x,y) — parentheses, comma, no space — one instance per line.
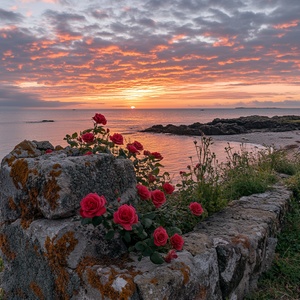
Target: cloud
(279,104)
(10,16)
(92,49)
(11,96)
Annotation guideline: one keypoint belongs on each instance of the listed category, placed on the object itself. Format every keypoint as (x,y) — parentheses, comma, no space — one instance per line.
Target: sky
(149,53)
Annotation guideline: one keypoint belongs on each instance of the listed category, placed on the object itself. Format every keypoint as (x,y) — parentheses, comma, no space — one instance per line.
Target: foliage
(246,173)
(205,182)
(282,281)
(151,228)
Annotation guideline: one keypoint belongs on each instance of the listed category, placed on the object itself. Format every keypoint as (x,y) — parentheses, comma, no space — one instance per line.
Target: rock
(48,254)
(231,126)
(52,185)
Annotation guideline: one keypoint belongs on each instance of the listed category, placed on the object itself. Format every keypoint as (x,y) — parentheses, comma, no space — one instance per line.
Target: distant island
(232,126)
(245,107)
(42,121)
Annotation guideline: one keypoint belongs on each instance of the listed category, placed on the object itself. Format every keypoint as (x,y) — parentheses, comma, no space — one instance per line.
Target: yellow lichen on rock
(37,290)
(108,289)
(57,252)
(51,188)
(19,172)
(5,248)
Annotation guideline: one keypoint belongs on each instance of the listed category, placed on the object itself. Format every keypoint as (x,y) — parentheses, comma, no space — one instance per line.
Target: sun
(132,107)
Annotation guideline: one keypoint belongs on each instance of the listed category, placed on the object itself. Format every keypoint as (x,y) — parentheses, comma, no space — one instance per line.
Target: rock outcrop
(231,126)
(48,254)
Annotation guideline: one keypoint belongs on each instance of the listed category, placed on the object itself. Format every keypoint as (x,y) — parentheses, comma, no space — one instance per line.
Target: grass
(282,281)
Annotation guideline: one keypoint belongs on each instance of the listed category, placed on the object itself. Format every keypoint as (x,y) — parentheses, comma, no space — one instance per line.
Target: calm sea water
(17,125)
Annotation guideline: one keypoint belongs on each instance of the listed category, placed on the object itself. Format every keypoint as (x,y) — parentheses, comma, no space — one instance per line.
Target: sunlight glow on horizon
(149,54)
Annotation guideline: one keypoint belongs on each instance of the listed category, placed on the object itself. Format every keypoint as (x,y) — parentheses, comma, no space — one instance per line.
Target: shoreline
(279,140)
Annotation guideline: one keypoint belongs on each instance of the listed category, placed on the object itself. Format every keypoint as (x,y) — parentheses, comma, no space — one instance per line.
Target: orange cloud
(293,23)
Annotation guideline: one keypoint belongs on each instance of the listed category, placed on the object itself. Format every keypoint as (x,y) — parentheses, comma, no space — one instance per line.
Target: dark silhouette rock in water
(232,126)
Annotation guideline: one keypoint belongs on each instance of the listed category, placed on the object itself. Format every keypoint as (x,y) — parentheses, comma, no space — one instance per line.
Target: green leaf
(140,246)
(147,222)
(74,135)
(85,221)
(156,258)
(147,252)
(97,221)
(155,171)
(150,215)
(172,230)
(110,234)
(142,234)
(127,237)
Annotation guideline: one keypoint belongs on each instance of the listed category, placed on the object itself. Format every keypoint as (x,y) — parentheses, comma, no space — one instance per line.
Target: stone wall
(48,254)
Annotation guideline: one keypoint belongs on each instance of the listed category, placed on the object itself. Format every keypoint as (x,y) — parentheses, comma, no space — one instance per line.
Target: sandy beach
(278,140)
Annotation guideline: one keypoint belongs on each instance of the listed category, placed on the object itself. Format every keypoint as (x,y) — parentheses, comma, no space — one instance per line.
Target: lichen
(87,261)
(184,269)
(5,247)
(26,146)
(11,204)
(241,239)
(37,290)
(19,172)
(57,252)
(29,208)
(10,160)
(51,188)
(107,290)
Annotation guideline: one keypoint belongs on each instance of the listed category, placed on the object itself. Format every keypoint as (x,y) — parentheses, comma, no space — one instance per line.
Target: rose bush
(147,227)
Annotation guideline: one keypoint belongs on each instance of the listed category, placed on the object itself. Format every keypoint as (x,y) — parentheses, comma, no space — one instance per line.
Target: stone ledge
(60,259)
(223,257)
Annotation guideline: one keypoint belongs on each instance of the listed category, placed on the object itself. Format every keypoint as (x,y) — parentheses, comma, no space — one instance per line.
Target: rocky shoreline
(233,126)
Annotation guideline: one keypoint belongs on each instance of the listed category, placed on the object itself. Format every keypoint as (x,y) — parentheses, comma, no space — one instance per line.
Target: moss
(37,290)
(57,252)
(19,172)
(5,247)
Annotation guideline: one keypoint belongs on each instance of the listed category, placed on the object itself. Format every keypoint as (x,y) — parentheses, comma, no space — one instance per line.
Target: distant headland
(232,126)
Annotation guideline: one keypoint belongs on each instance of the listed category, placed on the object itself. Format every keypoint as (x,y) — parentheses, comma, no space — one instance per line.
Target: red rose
(88,153)
(158,198)
(117,138)
(48,151)
(138,145)
(146,152)
(126,216)
(157,155)
(171,255)
(99,119)
(177,241)
(160,236)
(196,208)
(132,149)
(88,137)
(92,205)
(168,188)
(143,192)
(151,178)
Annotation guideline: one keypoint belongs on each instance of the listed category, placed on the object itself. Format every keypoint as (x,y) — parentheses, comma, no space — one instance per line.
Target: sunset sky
(149,53)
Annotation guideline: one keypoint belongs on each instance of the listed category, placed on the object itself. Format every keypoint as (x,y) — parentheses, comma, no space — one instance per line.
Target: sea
(17,125)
